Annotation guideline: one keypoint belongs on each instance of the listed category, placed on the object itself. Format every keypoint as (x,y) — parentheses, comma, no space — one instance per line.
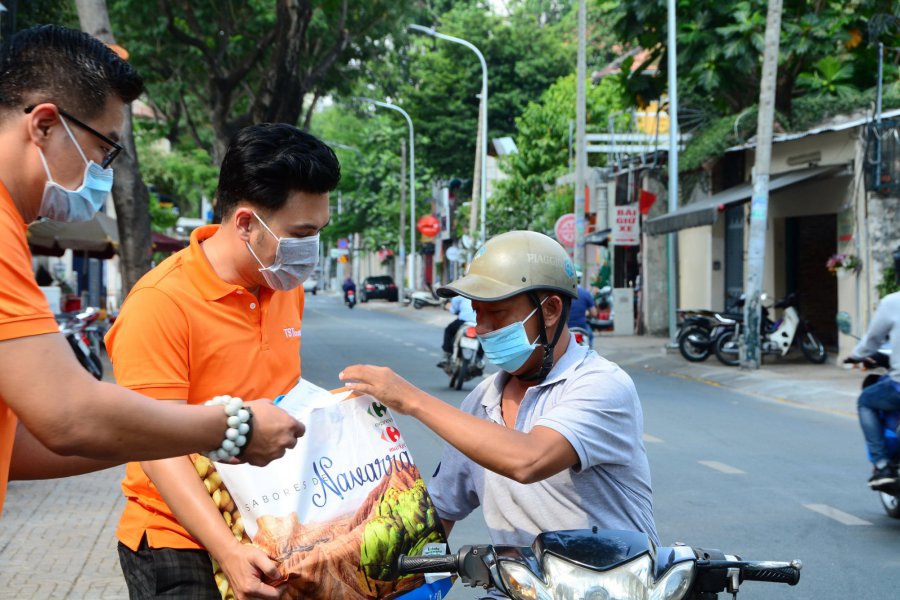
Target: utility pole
(580,154)
(672,194)
(474,209)
(401,260)
(759,204)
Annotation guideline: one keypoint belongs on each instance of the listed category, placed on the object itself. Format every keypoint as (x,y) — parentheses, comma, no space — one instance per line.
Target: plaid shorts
(167,573)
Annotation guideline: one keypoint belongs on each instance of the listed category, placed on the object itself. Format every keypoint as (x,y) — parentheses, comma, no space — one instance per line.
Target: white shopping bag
(338,509)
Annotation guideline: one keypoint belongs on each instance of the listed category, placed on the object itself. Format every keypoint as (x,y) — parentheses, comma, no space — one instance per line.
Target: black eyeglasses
(110,156)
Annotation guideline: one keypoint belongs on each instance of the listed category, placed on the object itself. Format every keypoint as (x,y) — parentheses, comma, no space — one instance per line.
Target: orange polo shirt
(185,334)
(23,310)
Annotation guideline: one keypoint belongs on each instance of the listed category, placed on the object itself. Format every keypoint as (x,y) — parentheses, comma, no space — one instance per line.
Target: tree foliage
(370,181)
(720,46)
(252,61)
(529,199)
(444,80)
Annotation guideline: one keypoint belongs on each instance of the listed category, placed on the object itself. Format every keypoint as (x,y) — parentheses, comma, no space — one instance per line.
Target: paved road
(767,480)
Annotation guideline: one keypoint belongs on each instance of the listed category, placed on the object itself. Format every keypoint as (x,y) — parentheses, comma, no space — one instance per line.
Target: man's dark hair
(266,162)
(50,63)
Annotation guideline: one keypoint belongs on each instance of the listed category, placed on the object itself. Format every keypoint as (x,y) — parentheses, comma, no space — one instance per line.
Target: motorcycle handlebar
(428,564)
(768,571)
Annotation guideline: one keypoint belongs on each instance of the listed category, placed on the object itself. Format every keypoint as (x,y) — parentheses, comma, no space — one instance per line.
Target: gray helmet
(512,263)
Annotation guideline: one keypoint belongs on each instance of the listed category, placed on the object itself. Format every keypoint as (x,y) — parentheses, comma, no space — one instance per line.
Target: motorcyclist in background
(582,307)
(348,286)
(885,394)
(462,308)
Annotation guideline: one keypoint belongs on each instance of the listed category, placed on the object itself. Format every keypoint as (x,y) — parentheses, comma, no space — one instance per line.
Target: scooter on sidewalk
(775,338)
(890,494)
(85,338)
(465,361)
(601,564)
(420,299)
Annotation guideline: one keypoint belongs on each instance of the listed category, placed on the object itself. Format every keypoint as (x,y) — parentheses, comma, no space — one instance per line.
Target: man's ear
(41,120)
(552,309)
(242,220)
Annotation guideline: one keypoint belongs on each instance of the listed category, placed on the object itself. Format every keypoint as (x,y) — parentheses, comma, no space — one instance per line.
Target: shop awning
(706,211)
(99,237)
(600,238)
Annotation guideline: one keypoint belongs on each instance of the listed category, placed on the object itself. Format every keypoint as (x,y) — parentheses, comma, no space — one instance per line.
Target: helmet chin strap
(547,362)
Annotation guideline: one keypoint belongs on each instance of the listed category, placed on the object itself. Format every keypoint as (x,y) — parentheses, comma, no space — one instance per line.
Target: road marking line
(721,467)
(408,344)
(652,439)
(421,349)
(838,515)
(435,354)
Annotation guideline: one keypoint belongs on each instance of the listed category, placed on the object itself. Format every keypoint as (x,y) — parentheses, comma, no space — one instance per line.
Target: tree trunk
(130,196)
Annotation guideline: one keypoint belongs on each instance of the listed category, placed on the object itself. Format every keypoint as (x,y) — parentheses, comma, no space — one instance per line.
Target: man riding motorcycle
(885,394)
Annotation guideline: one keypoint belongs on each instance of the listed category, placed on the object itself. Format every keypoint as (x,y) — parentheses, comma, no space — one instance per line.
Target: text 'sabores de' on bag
(337,510)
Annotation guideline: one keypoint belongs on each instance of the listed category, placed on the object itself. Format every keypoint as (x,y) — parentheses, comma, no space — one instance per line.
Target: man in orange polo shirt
(223,315)
(54,162)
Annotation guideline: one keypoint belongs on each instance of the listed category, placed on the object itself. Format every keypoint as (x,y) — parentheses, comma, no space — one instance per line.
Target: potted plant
(844,264)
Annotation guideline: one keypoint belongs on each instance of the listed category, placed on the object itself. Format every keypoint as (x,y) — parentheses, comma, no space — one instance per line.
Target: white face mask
(82,203)
(295,260)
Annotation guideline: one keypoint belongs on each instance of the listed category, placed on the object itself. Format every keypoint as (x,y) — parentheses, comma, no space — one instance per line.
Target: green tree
(444,80)
(720,45)
(529,199)
(370,175)
(253,61)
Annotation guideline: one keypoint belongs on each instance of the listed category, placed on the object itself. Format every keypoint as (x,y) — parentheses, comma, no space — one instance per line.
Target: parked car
(311,285)
(378,286)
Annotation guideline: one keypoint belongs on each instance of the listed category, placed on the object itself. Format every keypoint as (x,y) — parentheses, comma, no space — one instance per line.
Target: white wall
(695,267)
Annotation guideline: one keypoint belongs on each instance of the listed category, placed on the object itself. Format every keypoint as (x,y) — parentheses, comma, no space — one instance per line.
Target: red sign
(429,226)
(565,230)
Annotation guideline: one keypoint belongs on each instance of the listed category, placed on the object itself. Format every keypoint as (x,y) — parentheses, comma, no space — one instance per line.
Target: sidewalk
(792,379)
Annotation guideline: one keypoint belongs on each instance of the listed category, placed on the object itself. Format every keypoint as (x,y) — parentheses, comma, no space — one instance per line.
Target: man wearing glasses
(55,419)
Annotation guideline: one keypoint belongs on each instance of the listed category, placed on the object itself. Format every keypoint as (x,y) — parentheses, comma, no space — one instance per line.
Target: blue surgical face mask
(295,260)
(508,347)
(81,204)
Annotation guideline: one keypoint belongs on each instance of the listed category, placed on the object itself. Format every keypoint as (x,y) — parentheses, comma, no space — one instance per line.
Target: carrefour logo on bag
(390,434)
(377,410)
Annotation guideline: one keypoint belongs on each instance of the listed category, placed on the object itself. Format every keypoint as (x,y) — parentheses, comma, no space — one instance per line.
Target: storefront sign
(626,230)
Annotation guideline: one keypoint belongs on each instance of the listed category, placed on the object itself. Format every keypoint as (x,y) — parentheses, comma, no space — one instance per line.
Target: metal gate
(734,254)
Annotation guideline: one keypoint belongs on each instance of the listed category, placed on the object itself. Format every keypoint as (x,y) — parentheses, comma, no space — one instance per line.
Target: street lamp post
(483,108)
(412,193)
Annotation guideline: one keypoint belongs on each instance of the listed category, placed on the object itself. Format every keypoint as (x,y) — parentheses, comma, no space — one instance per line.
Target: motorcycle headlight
(567,580)
(627,581)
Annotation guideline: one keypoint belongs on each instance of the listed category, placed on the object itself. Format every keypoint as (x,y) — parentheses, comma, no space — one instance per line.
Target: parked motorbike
(85,336)
(420,299)
(596,564)
(889,495)
(464,362)
(699,330)
(350,299)
(775,338)
(582,336)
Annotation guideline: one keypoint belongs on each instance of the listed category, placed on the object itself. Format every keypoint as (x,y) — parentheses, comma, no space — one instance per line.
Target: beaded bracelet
(237,435)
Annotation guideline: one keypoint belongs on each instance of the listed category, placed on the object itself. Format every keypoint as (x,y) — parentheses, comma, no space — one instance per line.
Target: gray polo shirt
(593,404)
